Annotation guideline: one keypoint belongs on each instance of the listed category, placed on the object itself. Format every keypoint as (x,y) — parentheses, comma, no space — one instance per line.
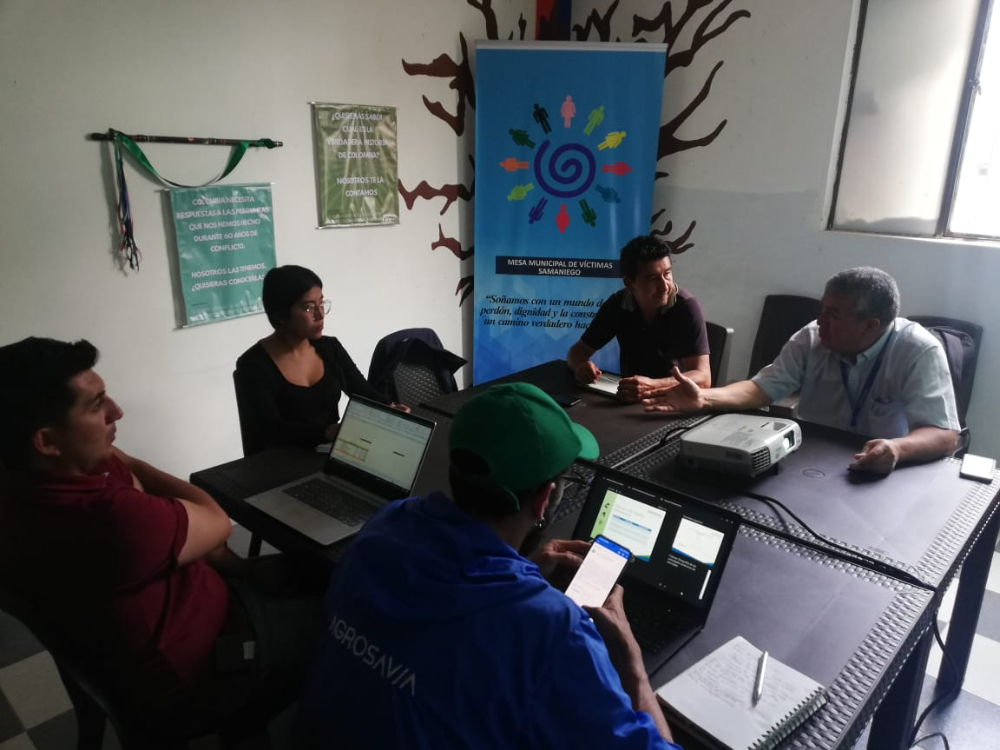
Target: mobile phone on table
(979,468)
(598,573)
(565,400)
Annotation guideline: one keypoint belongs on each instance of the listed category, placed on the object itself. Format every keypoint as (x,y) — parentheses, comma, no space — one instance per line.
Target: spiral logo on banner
(567,172)
(573,164)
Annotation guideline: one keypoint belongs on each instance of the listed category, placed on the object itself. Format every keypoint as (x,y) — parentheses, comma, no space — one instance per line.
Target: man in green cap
(441,633)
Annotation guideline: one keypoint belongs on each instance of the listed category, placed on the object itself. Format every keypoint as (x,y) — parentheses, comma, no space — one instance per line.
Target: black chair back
(782,316)
(252,443)
(963,391)
(718,356)
(412,367)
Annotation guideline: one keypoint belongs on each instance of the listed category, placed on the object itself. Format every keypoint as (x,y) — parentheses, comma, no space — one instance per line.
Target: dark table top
(623,431)
(847,628)
(920,517)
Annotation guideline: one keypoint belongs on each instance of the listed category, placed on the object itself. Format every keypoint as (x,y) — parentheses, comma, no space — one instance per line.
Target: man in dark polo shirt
(658,325)
(126,562)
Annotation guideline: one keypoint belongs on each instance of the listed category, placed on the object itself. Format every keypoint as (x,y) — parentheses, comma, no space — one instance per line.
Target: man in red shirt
(125,559)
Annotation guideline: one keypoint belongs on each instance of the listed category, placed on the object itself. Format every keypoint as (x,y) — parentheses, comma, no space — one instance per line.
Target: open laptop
(679,547)
(374,459)
(606,384)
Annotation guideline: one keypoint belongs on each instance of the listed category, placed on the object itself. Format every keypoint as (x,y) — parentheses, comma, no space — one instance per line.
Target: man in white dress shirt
(858,367)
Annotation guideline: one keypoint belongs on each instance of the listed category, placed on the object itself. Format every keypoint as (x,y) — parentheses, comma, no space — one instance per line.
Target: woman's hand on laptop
(400,407)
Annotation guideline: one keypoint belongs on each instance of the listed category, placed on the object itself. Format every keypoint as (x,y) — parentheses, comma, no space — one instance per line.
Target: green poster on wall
(356,164)
(225,245)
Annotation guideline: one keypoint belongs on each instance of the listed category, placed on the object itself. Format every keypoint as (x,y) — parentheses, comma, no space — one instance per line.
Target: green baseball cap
(521,434)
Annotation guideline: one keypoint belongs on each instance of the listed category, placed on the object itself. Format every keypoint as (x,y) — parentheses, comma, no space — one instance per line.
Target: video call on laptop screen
(680,546)
(382,442)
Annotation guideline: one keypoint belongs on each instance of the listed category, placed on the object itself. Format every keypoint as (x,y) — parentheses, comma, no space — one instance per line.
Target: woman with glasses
(289,384)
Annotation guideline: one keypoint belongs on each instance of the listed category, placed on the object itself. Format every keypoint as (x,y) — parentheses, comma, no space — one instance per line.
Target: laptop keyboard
(333,501)
(653,624)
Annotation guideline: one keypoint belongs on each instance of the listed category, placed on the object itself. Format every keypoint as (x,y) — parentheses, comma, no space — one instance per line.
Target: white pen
(758,685)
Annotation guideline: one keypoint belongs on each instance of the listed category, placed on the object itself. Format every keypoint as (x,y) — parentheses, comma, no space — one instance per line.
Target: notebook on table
(713,699)
(374,459)
(680,547)
(606,384)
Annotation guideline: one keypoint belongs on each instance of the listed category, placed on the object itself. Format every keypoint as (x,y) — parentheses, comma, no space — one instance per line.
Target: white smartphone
(598,573)
(979,468)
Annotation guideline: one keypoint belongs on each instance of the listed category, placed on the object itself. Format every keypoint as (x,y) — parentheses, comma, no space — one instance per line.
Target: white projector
(739,443)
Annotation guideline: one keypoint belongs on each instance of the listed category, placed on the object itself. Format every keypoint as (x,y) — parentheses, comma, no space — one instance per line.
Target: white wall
(225,69)
(759,192)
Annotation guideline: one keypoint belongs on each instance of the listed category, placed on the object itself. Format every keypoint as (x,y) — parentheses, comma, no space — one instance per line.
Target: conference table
(923,519)
(854,627)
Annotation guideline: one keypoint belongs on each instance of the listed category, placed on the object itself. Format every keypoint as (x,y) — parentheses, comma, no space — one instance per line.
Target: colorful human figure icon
(512,165)
(542,118)
(568,111)
(589,215)
(608,194)
(612,140)
(537,211)
(619,168)
(562,218)
(519,192)
(595,118)
(521,138)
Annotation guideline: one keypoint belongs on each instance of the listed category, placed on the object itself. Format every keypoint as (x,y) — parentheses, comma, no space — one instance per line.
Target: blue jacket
(441,636)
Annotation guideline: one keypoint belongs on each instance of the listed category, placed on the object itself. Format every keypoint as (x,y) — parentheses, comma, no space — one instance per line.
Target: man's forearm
(742,395)
(637,687)
(157,482)
(925,443)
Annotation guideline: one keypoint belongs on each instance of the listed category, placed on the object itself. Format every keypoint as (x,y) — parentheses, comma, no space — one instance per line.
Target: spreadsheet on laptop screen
(383,443)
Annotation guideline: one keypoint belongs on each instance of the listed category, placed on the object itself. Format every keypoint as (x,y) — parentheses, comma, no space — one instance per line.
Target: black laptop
(374,459)
(679,547)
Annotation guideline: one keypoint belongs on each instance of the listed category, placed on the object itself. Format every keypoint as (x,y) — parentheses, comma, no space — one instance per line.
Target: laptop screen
(680,545)
(381,442)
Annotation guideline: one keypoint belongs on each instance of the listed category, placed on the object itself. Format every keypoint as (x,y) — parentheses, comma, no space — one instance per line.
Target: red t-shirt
(100,556)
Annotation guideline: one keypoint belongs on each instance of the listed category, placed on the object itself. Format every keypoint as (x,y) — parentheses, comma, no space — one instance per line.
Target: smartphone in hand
(598,573)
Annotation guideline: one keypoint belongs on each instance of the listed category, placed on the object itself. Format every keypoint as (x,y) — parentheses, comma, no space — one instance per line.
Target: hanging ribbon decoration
(126,227)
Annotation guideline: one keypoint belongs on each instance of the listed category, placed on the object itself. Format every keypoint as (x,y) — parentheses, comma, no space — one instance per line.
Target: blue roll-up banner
(566,142)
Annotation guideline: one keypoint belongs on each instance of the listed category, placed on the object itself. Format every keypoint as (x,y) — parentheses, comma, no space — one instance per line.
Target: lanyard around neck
(869,381)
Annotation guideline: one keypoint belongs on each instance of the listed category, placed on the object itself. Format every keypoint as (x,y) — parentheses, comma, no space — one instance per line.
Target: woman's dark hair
(283,287)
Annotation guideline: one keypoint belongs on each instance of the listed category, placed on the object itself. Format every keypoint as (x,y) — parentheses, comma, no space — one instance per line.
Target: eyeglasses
(311,308)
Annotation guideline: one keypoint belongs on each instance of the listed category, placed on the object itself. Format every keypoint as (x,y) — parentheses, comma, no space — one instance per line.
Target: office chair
(964,377)
(781,316)
(252,443)
(94,706)
(718,351)
(412,367)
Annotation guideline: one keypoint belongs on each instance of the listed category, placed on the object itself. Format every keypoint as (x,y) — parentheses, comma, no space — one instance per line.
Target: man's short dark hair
(35,390)
(639,252)
(874,292)
(283,287)
(476,498)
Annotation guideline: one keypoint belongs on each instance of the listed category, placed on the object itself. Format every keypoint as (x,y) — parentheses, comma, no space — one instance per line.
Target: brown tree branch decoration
(677,245)
(597,22)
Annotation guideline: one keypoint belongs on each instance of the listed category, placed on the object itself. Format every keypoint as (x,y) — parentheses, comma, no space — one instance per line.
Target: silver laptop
(374,459)
(606,384)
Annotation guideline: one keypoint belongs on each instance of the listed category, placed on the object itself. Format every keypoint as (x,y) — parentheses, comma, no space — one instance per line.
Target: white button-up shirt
(911,387)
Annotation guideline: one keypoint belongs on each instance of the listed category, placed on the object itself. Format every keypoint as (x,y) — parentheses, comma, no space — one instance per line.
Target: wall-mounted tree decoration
(687,27)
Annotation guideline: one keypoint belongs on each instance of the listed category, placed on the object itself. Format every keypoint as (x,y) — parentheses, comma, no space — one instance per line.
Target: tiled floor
(35,712)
